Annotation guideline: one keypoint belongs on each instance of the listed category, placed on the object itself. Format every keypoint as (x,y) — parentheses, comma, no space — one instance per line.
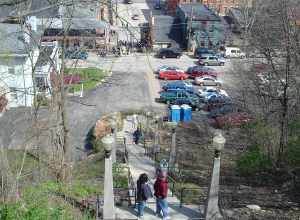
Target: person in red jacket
(161,193)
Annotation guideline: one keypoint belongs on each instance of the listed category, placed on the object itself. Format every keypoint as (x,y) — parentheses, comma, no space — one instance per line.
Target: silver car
(211,60)
(207,81)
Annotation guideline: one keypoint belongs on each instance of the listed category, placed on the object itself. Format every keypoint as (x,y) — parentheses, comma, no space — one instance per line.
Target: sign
(164,164)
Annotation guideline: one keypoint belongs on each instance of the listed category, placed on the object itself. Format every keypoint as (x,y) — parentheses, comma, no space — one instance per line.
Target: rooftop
(44,8)
(162,28)
(199,12)
(12,41)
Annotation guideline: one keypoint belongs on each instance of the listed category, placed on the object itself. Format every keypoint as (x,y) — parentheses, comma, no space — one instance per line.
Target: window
(11,70)
(13,93)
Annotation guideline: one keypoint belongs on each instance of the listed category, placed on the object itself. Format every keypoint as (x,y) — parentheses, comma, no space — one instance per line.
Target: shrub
(253,162)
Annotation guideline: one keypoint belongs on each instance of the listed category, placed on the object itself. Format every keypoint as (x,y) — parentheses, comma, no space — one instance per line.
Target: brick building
(200,26)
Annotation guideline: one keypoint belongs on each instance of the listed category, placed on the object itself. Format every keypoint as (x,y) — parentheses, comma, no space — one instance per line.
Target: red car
(173,75)
(235,119)
(197,71)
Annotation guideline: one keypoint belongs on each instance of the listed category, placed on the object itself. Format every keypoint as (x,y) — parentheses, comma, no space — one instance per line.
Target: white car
(234,52)
(206,91)
(207,81)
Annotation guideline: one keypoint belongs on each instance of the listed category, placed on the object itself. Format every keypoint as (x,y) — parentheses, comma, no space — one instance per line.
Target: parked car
(165,68)
(197,71)
(211,60)
(172,75)
(157,6)
(200,51)
(207,81)
(76,54)
(181,97)
(206,92)
(234,52)
(169,53)
(235,119)
(178,85)
(222,110)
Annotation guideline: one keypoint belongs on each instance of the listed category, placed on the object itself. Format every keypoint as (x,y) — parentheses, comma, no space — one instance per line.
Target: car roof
(207,55)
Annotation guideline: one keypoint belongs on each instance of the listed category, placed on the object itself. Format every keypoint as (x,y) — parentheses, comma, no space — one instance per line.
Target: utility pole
(110,12)
(190,28)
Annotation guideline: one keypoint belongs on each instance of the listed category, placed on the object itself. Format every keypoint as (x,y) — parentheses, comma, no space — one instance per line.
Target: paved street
(131,86)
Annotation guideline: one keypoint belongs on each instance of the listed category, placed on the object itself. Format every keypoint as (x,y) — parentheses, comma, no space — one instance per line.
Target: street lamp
(218,144)
(172,157)
(108,145)
(113,124)
(212,211)
(108,206)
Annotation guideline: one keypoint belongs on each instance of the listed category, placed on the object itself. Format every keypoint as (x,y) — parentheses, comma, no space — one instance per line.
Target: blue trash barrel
(175,113)
(186,113)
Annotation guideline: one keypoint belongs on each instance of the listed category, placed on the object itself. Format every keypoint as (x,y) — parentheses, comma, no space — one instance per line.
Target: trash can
(186,113)
(175,113)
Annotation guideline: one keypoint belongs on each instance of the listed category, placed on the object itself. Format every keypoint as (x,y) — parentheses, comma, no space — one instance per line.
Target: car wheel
(196,109)
(163,57)
(168,102)
(178,57)
(201,84)
(242,57)
(205,64)
(218,84)
(222,64)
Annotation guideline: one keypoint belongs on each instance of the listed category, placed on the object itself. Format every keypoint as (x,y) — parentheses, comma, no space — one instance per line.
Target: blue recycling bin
(186,113)
(175,113)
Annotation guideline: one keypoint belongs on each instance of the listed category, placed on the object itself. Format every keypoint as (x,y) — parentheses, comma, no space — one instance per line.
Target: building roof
(12,41)
(82,9)
(44,8)
(162,28)
(198,11)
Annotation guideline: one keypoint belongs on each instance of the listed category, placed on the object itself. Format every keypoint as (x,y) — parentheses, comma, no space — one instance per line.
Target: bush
(253,162)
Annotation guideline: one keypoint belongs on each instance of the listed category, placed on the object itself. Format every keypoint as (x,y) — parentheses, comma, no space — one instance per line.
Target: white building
(23,66)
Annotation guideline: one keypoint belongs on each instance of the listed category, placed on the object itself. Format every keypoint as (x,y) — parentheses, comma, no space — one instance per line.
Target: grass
(37,202)
(90,77)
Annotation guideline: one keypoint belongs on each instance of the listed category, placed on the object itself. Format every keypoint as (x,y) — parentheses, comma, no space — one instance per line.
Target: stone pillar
(108,208)
(114,127)
(172,158)
(212,211)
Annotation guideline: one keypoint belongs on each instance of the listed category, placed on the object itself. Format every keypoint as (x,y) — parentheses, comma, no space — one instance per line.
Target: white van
(234,52)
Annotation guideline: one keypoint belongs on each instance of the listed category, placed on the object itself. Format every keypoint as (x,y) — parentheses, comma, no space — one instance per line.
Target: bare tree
(272,81)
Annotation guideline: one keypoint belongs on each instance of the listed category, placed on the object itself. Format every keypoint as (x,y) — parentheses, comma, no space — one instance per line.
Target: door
(212,61)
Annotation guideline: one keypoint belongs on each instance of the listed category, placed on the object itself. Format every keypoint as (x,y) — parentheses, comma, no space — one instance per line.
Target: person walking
(137,135)
(143,193)
(161,193)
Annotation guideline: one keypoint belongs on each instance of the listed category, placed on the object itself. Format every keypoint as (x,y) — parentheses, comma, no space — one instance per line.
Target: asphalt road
(127,89)
(132,86)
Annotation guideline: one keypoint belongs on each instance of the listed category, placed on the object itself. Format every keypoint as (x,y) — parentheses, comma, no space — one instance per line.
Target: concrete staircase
(139,164)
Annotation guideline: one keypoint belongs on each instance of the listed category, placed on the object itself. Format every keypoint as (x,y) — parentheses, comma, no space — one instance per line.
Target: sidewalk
(139,164)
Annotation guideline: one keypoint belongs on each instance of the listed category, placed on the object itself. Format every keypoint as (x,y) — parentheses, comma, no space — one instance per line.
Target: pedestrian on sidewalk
(137,135)
(143,193)
(161,193)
